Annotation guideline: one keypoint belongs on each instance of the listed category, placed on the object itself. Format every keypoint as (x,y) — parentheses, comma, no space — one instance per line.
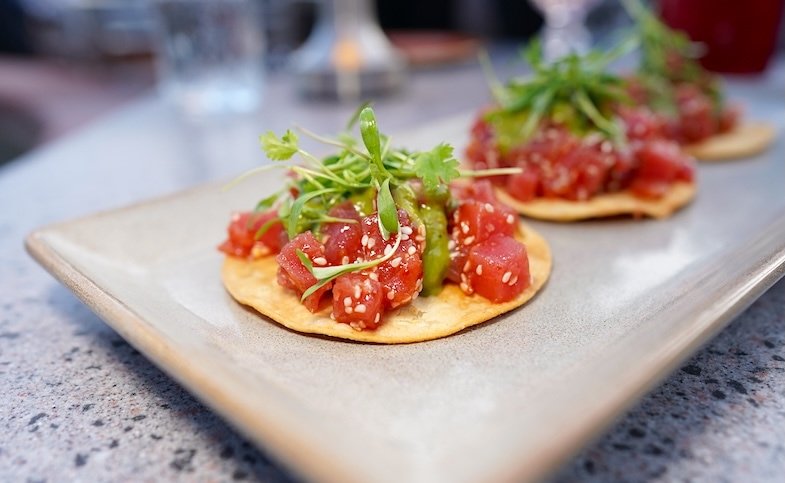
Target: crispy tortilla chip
(254,283)
(744,141)
(611,204)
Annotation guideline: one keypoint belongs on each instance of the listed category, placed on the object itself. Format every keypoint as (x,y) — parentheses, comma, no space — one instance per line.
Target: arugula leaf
(436,167)
(356,115)
(370,134)
(388,212)
(325,275)
(265,227)
(267,203)
(279,149)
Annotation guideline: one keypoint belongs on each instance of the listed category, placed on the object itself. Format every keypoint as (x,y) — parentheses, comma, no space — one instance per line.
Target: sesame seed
(360,309)
(406,230)
(371,242)
(412,250)
(419,238)
(469,240)
(467,265)
(451,245)
(347,301)
(345,260)
(464,227)
(489,207)
(387,250)
(364,240)
(332,315)
(404,237)
(510,219)
(348,310)
(377,318)
(506,277)
(395,262)
(320,261)
(357,291)
(465,288)
(463,278)
(513,280)
(373,276)
(478,270)
(391,294)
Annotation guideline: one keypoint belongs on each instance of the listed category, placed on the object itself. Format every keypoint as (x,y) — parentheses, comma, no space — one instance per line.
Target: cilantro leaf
(436,167)
(279,149)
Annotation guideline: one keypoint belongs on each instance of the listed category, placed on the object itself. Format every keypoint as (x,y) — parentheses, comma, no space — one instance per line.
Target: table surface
(79,403)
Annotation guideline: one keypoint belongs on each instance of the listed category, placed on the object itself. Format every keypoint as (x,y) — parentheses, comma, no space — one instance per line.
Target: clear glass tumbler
(210,55)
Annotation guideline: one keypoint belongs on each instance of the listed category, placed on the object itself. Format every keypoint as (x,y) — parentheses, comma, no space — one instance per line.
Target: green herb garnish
(575,91)
(668,57)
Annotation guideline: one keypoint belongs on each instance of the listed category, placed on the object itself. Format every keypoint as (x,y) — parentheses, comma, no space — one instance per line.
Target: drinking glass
(210,55)
(564,29)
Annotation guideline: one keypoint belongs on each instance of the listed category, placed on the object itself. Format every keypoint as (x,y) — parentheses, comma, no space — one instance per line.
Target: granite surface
(80,404)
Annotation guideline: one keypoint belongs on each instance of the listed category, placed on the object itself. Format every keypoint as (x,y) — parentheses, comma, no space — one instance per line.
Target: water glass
(210,55)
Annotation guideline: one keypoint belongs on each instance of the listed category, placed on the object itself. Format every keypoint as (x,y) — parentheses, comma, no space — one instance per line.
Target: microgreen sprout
(575,90)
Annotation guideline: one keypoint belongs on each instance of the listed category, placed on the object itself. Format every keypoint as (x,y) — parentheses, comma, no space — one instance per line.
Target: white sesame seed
(406,230)
(320,261)
(387,250)
(404,237)
(510,219)
(373,276)
(465,288)
(391,294)
(451,245)
(347,301)
(345,260)
(478,270)
(357,291)
(348,310)
(412,250)
(464,227)
(506,277)
(395,262)
(344,228)
(371,242)
(332,315)
(489,207)
(469,240)
(463,278)
(513,280)
(467,265)
(419,238)
(360,309)
(364,240)
(377,318)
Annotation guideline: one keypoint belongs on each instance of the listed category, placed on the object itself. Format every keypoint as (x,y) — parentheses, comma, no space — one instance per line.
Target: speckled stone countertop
(79,404)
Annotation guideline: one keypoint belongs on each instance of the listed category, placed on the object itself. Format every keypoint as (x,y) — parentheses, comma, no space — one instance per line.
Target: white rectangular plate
(627,301)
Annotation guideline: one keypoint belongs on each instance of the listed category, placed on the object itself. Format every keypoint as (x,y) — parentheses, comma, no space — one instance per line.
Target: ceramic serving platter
(627,301)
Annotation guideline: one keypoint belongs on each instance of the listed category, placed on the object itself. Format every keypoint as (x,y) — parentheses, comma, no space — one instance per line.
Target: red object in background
(739,36)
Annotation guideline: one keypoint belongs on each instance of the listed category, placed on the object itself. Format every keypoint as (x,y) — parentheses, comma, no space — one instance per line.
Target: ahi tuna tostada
(372,244)
(688,99)
(585,151)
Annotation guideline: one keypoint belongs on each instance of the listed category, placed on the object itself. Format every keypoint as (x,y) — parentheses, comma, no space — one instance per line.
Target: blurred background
(65,62)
